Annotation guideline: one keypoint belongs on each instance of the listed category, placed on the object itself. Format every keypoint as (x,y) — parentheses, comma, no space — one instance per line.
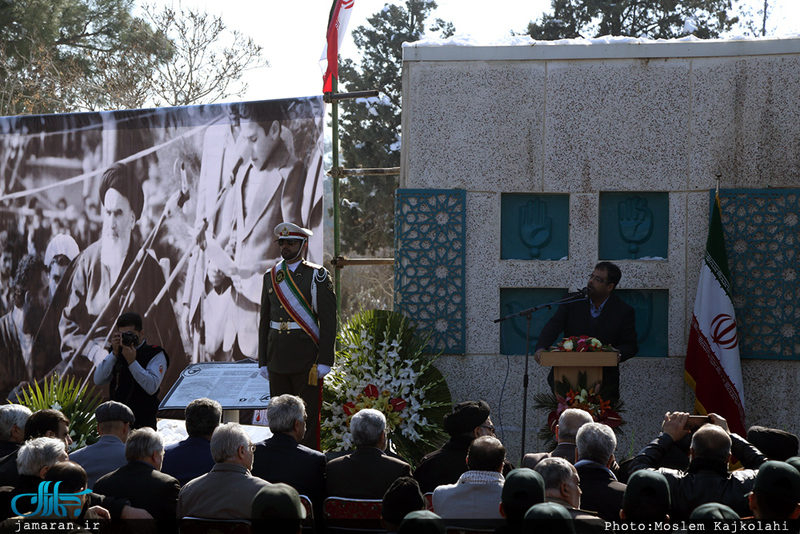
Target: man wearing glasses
(603,316)
(298,326)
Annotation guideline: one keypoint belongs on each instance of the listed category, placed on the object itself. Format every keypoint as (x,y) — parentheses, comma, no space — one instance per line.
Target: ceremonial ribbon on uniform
(293,301)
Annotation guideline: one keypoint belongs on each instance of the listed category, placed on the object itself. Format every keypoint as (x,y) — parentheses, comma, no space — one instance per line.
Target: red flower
(371,391)
(398,404)
(349,408)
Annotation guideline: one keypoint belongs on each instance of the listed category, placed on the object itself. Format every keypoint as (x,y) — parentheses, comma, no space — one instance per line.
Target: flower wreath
(381,364)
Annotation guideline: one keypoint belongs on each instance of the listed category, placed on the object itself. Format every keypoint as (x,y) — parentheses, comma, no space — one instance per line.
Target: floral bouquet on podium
(583,396)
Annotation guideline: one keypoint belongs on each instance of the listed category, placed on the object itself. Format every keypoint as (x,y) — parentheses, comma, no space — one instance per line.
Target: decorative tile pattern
(634,226)
(762,238)
(430,263)
(534,227)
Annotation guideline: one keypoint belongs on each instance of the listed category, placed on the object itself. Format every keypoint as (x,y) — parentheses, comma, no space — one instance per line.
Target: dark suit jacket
(616,326)
(366,473)
(145,488)
(602,493)
(562,450)
(281,459)
(188,459)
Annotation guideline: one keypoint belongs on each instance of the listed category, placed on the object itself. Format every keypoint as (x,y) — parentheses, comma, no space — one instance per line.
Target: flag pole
(337,280)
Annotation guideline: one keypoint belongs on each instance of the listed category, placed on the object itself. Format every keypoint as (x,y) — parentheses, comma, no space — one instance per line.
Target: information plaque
(235,385)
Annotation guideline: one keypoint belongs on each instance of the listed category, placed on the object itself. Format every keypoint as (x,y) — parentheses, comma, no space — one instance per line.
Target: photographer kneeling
(134,369)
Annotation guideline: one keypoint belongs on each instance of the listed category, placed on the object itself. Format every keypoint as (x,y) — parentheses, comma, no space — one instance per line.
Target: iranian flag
(337,28)
(713,367)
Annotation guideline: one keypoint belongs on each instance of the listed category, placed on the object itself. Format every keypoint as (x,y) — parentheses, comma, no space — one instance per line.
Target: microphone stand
(528,313)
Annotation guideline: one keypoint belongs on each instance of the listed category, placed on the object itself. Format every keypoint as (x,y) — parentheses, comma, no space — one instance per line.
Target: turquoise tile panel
(534,227)
(762,240)
(512,331)
(633,226)
(430,263)
(652,319)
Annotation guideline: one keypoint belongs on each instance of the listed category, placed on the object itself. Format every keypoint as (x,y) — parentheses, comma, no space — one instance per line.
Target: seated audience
(422,522)
(71,479)
(713,511)
(646,499)
(562,486)
(402,497)
(522,489)
(141,481)
(474,501)
(282,458)
(227,491)
(190,458)
(36,457)
(368,471)
(775,444)
(12,427)
(601,492)
(277,509)
(569,422)
(707,478)
(549,517)
(468,420)
(776,493)
(114,421)
(43,423)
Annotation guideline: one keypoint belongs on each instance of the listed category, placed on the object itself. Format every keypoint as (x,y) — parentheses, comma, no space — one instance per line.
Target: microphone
(584,291)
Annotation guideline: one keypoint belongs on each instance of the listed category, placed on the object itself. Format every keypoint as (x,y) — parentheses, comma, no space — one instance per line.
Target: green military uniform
(287,350)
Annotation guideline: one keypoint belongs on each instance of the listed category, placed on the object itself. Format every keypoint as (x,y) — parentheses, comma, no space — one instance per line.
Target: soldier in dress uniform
(297,331)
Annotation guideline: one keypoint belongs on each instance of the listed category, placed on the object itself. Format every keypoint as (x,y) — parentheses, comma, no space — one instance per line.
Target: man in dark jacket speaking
(603,316)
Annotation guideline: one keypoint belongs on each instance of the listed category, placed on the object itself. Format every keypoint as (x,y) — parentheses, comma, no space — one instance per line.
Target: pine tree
(369,128)
(656,19)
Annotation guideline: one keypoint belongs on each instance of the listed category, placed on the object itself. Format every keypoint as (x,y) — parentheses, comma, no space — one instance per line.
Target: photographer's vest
(126,390)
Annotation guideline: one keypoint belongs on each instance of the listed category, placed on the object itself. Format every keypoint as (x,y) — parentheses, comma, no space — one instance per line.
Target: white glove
(322,370)
(263,371)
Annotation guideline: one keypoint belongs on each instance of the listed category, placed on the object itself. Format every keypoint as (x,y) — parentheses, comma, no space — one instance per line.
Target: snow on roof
(465,47)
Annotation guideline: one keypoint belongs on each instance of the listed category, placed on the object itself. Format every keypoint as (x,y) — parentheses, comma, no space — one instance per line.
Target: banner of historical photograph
(167,212)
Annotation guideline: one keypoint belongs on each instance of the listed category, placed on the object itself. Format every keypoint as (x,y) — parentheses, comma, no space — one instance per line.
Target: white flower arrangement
(381,365)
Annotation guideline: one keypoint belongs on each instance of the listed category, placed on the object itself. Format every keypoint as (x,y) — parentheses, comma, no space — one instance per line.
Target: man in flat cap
(469,420)
(298,326)
(96,274)
(114,421)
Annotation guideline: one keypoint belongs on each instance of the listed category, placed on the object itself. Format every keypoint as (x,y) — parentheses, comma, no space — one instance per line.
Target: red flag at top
(337,27)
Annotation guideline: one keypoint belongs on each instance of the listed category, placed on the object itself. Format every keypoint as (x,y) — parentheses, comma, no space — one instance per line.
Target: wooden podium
(569,364)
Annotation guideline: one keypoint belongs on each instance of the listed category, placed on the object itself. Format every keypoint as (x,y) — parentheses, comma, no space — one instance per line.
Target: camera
(130,339)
